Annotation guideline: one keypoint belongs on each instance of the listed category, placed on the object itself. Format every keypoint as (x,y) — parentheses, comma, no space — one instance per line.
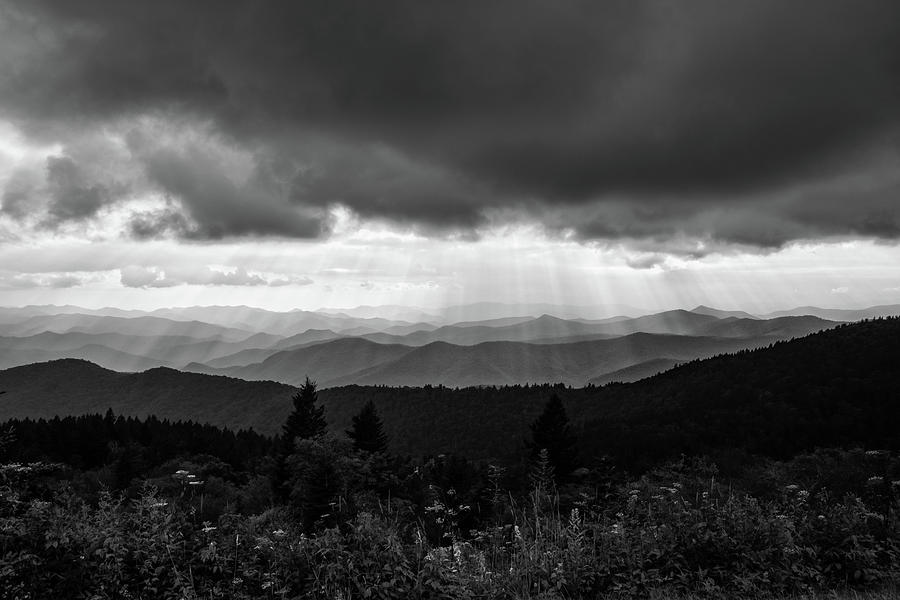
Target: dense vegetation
(106,506)
(89,442)
(826,389)
(832,388)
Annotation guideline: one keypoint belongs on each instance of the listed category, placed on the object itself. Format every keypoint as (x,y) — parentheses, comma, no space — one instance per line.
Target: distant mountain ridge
(258,344)
(714,312)
(355,360)
(839,314)
(833,388)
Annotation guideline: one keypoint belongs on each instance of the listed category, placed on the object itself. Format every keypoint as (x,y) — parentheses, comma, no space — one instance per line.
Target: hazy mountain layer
(636,372)
(338,348)
(354,360)
(833,388)
(327,363)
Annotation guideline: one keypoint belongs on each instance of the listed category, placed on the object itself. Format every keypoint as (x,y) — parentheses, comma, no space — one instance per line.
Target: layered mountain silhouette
(526,344)
(833,388)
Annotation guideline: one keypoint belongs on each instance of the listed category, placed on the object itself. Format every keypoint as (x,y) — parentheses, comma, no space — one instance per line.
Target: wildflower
(195,482)
(237,581)
(278,532)
(574,517)
(208,528)
(159,504)
(517,531)
(792,487)
(181,472)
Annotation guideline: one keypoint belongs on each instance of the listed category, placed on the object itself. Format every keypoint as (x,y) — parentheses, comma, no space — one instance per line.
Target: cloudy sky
(334,153)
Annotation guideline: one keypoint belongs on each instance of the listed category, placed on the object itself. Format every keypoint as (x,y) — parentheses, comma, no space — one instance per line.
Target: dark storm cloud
(70,194)
(19,194)
(619,118)
(72,197)
(377,182)
(217,205)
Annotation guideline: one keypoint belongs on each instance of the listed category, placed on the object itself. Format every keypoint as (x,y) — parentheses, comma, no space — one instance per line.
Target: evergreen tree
(7,437)
(367,432)
(307,421)
(315,482)
(551,432)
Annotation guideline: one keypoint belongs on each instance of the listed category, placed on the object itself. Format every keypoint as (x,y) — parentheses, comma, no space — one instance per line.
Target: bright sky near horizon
(306,155)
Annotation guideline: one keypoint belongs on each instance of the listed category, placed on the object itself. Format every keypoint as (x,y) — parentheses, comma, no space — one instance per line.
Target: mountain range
(832,388)
(465,345)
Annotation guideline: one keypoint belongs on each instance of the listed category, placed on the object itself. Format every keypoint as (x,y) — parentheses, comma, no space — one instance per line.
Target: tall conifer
(367,432)
(551,432)
(307,421)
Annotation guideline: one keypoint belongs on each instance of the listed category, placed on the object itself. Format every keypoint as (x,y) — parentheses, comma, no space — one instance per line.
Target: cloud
(151,277)
(645,261)
(623,119)
(290,280)
(71,183)
(216,203)
(72,198)
(142,277)
(19,194)
(152,224)
(17,281)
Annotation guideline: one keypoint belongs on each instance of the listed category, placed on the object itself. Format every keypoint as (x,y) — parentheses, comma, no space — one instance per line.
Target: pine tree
(307,421)
(367,432)
(7,438)
(551,432)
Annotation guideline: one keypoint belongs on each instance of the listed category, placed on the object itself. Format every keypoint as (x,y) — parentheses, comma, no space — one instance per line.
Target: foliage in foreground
(675,531)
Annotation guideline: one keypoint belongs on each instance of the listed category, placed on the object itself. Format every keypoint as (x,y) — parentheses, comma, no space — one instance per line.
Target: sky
(335,153)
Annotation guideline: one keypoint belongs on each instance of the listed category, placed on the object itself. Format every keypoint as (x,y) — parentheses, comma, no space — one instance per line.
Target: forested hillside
(837,387)
(75,387)
(834,388)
